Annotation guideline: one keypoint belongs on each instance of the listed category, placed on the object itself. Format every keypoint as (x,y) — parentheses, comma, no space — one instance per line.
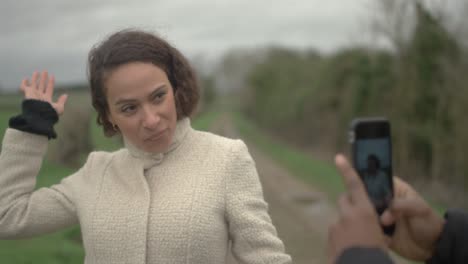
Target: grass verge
(204,120)
(320,174)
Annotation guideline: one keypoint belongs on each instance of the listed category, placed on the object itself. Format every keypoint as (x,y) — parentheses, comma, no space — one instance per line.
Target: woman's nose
(151,118)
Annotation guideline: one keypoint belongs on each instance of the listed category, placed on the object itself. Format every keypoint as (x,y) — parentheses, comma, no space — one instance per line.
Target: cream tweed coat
(182,206)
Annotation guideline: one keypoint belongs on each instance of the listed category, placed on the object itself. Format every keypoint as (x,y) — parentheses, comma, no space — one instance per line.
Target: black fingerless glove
(38,117)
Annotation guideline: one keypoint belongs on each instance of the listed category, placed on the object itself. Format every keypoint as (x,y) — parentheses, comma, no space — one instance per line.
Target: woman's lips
(155,136)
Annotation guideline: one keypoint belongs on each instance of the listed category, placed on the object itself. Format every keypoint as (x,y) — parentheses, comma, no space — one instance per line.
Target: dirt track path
(300,213)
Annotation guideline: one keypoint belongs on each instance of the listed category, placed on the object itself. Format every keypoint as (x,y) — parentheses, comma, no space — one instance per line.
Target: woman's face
(142,106)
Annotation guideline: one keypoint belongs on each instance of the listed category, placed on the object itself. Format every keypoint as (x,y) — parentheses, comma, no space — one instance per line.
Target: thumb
(61,103)
(388,218)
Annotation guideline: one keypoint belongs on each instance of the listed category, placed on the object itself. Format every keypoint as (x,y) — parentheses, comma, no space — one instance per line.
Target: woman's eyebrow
(129,100)
(159,88)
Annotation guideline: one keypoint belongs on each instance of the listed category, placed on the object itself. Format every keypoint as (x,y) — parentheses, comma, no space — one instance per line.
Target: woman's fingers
(24,84)
(59,106)
(49,89)
(62,99)
(28,89)
(40,87)
(43,80)
(33,83)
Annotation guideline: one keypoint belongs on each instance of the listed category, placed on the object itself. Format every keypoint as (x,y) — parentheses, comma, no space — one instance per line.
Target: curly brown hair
(133,45)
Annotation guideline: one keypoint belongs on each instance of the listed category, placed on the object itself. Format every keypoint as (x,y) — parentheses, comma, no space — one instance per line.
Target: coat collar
(152,159)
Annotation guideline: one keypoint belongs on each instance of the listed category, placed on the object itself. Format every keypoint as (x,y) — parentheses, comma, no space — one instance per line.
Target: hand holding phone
(357,224)
(372,158)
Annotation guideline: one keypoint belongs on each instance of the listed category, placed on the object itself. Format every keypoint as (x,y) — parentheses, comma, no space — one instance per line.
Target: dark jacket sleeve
(452,247)
(37,117)
(358,255)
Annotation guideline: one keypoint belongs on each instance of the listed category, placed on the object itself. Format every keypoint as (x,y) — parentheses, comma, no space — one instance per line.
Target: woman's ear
(109,117)
(111,120)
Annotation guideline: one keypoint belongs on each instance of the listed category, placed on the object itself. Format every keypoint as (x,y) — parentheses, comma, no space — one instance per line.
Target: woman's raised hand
(42,88)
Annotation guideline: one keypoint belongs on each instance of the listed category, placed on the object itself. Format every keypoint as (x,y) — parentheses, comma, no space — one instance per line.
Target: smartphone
(371,149)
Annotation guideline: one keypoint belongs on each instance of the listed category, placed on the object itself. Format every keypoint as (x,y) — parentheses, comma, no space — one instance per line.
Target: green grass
(4,117)
(318,173)
(10,102)
(439,207)
(203,121)
(53,248)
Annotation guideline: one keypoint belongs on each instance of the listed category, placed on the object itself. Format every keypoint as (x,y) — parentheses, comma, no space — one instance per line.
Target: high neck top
(150,159)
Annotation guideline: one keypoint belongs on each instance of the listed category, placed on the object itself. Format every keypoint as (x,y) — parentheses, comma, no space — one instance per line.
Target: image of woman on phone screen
(376,181)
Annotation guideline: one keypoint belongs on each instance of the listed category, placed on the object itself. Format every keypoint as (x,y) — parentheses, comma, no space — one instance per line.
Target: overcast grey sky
(57,34)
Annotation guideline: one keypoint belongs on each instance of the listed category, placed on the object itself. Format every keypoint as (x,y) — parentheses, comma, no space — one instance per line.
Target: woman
(377,183)
(172,195)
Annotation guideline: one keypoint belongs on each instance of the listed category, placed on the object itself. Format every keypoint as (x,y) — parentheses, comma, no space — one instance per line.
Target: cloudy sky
(57,34)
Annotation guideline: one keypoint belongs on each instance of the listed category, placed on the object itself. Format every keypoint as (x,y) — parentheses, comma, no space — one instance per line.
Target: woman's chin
(155,147)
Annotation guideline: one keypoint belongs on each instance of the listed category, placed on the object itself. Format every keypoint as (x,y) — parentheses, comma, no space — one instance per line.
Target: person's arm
(23,211)
(254,238)
(360,255)
(452,245)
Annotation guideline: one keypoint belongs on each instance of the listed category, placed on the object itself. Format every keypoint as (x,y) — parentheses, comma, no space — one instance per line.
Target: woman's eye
(128,108)
(159,97)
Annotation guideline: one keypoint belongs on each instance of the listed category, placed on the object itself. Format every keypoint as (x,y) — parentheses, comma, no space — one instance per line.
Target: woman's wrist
(37,117)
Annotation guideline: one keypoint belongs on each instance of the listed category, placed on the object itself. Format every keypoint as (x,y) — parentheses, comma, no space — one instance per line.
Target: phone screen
(373,163)
(372,158)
